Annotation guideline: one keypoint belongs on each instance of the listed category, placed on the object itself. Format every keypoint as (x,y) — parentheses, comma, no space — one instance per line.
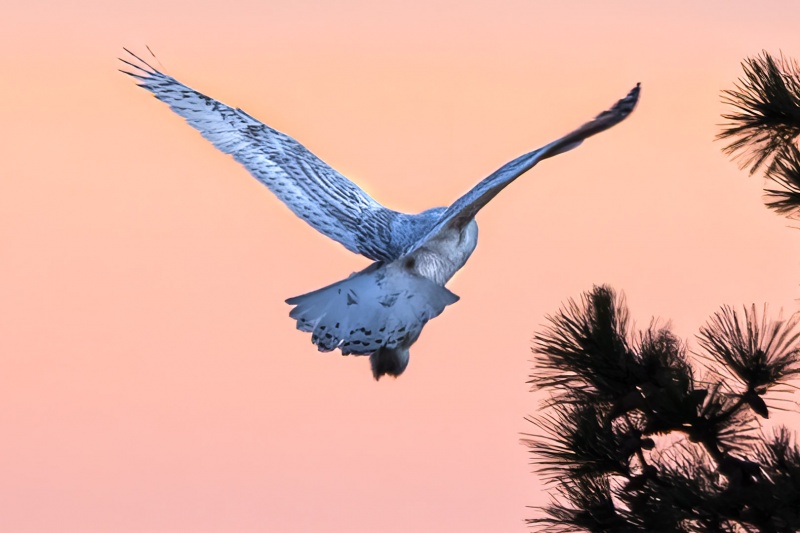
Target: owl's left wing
(315,192)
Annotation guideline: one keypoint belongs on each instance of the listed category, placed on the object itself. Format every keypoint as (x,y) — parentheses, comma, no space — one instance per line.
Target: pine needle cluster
(764,126)
(635,438)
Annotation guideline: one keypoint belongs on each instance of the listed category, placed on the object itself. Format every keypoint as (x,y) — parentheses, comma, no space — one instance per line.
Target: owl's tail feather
(379,312)
(391,361)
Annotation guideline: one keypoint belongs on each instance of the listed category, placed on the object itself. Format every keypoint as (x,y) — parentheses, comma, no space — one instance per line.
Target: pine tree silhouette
(635,438)
(764,126)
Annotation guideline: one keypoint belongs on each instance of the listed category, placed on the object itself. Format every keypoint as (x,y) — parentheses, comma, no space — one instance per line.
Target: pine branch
(785,172)
(761,354)
(610,395)
(585,350)
(685,496)
(722,425)
(579,442)
(780,459)
(766,116)
(586,504)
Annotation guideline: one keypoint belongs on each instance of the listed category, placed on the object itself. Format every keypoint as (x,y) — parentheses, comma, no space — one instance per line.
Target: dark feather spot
(388,300)
(351,298)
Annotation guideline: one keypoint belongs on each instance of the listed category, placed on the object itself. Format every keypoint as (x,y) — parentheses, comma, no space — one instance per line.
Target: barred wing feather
(465,208)
(315,192)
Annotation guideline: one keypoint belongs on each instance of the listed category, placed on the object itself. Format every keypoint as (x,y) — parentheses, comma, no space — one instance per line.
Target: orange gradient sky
(150,378)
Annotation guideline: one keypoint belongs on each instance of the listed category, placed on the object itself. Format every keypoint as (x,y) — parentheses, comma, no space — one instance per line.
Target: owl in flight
(381,310)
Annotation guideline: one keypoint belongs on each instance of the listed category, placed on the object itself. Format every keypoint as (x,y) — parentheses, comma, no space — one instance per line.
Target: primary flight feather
(381,310)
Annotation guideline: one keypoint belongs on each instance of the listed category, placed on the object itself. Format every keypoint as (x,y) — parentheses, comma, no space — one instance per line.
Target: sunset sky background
(150,378)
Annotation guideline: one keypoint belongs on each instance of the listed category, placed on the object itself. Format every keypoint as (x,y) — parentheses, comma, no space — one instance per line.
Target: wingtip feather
(145,63)
(627,104)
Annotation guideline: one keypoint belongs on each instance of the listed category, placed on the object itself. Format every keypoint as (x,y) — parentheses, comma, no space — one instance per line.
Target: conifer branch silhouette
(633,440)
(764,126)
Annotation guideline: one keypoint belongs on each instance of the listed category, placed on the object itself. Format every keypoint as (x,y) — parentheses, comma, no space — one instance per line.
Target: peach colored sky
(150,378)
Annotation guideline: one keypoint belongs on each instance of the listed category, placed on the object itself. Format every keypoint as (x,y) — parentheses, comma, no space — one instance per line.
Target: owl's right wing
(315,192)
(463,210)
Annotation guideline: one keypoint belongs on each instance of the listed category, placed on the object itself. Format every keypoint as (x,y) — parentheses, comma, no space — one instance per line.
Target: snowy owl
(381,310)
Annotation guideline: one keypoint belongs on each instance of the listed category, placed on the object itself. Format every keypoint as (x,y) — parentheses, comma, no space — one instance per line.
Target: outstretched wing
(465,208)
(314,191)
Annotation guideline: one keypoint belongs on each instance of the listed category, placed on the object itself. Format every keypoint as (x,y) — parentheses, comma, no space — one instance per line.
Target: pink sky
(150,378)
